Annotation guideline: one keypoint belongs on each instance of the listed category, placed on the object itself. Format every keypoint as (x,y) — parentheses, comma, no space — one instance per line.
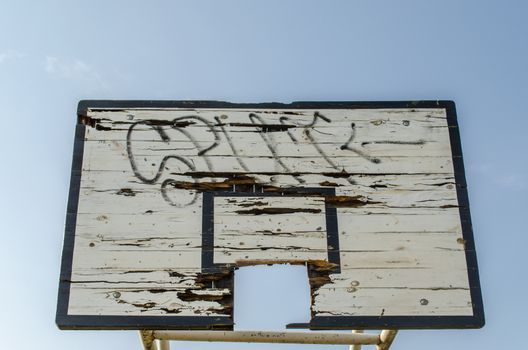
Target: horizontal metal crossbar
(158,340)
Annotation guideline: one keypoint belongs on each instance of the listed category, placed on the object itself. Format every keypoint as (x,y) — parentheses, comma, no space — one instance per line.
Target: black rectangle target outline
(332,232)
(67,321)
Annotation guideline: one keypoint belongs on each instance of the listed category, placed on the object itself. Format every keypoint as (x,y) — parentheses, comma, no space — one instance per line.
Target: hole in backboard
(270,297)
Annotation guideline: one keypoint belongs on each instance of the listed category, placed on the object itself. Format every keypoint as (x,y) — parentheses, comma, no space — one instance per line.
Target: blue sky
(54,53)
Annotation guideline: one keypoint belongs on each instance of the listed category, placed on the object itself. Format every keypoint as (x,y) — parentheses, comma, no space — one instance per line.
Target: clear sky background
(54,53)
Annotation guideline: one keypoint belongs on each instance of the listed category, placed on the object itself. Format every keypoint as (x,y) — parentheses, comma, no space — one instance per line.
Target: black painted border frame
(66,321)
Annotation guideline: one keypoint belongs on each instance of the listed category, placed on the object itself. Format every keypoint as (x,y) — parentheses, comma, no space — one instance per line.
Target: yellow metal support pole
(356,346)
(386,338)
(164,345)
(148,340)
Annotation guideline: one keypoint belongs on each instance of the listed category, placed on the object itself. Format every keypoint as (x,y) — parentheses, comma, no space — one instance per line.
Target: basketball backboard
(168,198)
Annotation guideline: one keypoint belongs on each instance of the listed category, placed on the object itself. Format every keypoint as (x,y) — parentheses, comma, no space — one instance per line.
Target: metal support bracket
(159,340)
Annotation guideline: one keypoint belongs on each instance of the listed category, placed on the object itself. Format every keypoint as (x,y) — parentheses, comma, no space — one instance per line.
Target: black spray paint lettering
(347,146)
(231,145)
(177,124)
(307,130)
(266,132)
(270,143)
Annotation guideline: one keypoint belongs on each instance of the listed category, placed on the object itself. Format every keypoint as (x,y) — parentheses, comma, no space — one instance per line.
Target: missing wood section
(94,122)
(214,288)
(348,201)
(318,272)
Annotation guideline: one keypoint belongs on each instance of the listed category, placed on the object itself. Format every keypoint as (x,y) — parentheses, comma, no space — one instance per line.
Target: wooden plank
(392,302)
(147,302)
(401,259)
(377,117)
(425,142)
(166,278)
(130,259)
(149,164)
(436,278)
(381,191)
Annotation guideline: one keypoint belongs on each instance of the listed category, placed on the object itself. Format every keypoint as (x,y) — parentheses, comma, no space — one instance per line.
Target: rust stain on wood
(275,210)
(126,192)
(190,295)
(348,201)
(252,204)
(329,184)
(227,184)
(94,123)
(171,311)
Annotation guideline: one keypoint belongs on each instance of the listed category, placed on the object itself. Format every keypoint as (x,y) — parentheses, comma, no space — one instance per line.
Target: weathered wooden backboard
(168,198)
